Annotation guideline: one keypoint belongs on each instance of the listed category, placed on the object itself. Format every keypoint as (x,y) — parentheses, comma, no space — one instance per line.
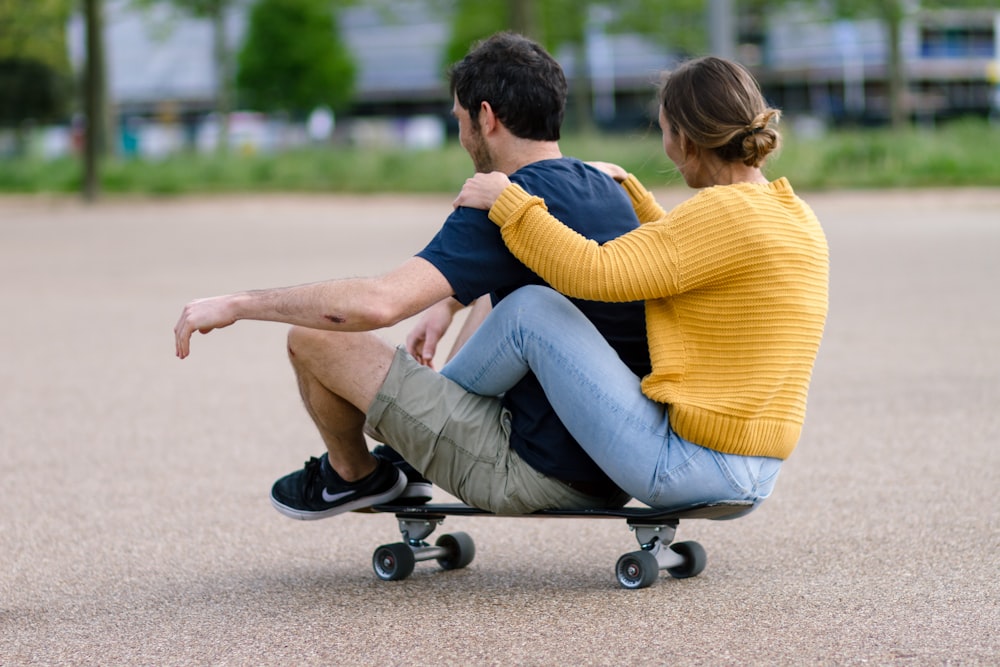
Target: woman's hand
(482,190)
(611,169)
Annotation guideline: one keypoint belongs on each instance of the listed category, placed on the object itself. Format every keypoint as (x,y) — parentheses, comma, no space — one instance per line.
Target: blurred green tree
(35,78)
(293,58)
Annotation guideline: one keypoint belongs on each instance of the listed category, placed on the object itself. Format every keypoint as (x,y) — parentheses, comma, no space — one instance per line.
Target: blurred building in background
(162,81)
(162,86)
(837,70)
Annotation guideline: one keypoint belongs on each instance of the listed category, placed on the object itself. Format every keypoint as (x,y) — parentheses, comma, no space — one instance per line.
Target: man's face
(472,139)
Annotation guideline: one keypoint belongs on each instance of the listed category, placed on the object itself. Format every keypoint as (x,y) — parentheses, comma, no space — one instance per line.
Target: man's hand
(423,339)
(482,190)
(203,315)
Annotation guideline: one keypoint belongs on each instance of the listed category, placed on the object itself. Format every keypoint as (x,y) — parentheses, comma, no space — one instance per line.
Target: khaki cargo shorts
(460,441)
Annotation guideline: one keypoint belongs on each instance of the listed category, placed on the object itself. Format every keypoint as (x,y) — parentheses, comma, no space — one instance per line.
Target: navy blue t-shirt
(469,251)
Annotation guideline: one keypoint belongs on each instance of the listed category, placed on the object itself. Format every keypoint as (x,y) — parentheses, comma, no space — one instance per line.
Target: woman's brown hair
(717,105)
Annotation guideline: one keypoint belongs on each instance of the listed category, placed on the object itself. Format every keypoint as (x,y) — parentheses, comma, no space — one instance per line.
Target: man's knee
(351,364)
(301,342)
(310,348)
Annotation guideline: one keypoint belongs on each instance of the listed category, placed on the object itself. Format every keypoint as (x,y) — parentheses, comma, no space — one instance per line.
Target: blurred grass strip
(964,153)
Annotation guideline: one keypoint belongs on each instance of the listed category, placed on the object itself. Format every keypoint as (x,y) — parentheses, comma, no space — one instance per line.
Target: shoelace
(314,469)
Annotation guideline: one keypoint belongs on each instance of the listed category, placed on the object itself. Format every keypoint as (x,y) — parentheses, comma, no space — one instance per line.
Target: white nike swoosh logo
(336,496)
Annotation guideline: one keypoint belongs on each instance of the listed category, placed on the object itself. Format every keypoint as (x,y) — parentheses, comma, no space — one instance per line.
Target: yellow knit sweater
(735,283)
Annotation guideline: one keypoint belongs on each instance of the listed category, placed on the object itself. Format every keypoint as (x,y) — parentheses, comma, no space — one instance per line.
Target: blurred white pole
(601,58)
(722,28)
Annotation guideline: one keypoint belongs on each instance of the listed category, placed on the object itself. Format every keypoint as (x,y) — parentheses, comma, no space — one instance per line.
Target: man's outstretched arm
(349,304)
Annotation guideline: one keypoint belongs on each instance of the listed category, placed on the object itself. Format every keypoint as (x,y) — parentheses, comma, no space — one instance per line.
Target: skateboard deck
(654,530)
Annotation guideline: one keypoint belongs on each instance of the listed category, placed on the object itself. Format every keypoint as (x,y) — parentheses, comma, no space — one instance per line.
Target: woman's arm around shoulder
(643,201)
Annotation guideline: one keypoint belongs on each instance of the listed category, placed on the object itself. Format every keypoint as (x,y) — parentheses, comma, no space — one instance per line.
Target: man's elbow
(379,313)
(389,300)
(380,316)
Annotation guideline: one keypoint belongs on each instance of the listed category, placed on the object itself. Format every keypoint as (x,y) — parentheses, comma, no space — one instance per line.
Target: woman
(735,284)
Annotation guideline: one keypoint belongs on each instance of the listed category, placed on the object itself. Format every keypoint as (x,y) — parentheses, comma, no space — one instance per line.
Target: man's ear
(487,119)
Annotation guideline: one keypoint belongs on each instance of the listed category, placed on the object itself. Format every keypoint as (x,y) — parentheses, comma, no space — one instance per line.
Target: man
(508,455)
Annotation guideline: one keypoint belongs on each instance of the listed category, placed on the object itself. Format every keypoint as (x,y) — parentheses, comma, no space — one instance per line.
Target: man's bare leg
(339,374)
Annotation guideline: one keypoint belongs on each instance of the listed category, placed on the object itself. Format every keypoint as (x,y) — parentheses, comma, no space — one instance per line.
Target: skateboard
(654,530)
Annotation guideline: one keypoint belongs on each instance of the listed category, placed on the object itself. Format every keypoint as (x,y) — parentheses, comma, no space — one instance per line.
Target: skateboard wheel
(461,550)
(638,569)
(393,562)
(695,560)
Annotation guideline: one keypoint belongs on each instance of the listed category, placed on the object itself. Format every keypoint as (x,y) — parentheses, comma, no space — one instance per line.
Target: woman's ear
(688,148)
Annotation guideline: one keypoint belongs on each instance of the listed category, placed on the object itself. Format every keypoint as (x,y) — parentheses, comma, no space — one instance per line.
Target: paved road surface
(135,526)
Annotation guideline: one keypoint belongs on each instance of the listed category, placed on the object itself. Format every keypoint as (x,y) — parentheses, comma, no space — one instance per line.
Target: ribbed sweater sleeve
(637,266)
(643,202)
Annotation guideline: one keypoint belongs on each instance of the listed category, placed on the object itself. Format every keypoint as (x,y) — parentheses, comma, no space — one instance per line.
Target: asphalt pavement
(135,526)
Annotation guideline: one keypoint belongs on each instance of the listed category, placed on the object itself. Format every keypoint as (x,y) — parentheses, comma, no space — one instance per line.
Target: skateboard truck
(654,531)
(639,569)
(392,562)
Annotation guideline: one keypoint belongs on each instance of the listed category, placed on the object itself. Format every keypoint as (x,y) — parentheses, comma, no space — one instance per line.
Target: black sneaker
(317,491)
(418,488)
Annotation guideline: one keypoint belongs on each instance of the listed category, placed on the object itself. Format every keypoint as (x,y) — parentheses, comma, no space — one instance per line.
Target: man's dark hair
(523,84)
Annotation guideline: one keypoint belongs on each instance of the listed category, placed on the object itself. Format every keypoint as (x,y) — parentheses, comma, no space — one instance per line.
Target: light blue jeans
(599,400)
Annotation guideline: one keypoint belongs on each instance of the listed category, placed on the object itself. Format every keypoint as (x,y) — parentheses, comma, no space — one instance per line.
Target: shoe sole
(367,501)
(415,494)
(416,491)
